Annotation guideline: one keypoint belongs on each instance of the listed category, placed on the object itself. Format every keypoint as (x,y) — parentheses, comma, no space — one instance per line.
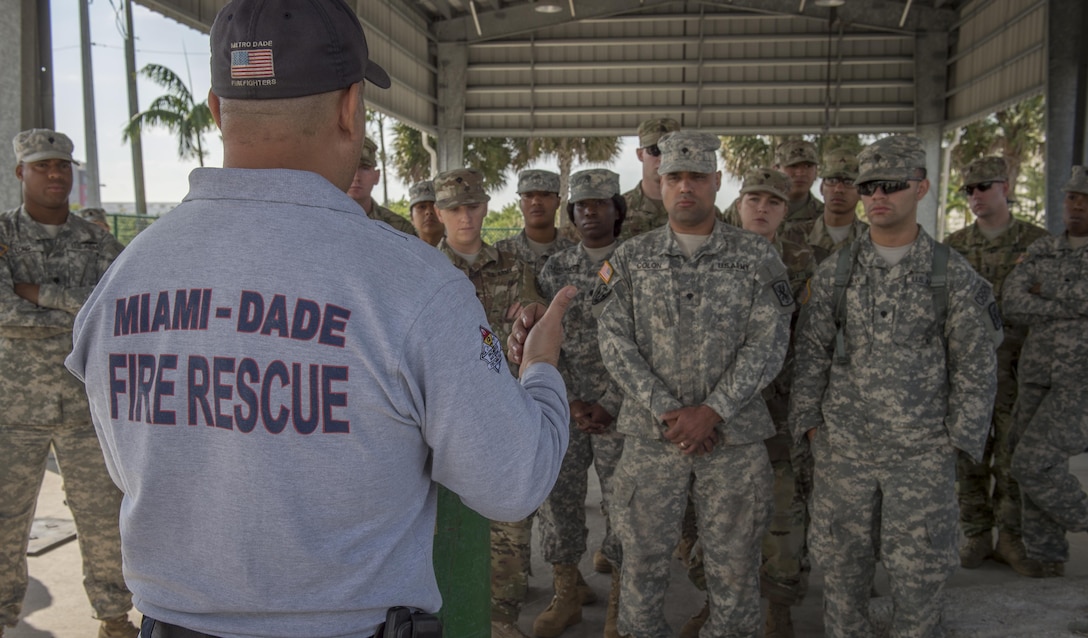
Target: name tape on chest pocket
(731,265)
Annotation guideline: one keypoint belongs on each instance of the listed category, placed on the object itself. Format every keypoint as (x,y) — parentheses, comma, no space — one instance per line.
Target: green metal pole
(462,565)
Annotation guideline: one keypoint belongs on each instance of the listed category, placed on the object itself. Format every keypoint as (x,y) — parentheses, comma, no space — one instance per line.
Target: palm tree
(492,156)
(177,111)
(742,153)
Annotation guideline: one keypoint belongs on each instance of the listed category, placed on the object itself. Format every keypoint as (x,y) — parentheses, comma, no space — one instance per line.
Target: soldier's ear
(717,181)
(19,171)
(923,188)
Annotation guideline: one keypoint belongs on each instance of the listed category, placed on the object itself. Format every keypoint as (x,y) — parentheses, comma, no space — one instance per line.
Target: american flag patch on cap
(252,63)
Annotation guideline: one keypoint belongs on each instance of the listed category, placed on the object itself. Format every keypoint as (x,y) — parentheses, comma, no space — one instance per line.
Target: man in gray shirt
(279,413)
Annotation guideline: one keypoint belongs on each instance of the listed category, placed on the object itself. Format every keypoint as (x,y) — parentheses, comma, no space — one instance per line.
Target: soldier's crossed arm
(19,318)
(1036,290)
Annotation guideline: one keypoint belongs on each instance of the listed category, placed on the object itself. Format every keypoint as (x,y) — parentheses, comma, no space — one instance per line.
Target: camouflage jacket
(35,387)
(807,209)
(383,214)
(908,387)
(1056,349)
(800,264)
(580,359)
(501,280)
(678,332)
(643,213)
(994,260)
(823,245)
(519,246)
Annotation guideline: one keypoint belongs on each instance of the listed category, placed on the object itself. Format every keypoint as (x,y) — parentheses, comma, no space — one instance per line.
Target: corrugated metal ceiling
(737,66)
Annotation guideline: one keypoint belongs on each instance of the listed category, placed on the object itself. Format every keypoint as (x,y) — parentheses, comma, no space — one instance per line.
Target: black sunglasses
(835,181)
(886,185)
(652,149)
(981,187)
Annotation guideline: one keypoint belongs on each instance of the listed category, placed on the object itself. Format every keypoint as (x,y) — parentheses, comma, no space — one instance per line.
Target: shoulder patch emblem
(606,272)
(995,315)
(600,293)
(982,295)
(782,290)
(491,351)
(807,294)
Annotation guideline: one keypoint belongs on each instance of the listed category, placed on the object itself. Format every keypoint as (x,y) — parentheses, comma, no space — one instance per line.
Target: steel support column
(26,83)
(452,80)
(1067,60)
(931,79)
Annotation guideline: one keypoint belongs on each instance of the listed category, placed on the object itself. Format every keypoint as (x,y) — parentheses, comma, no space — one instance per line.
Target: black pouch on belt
(402,622)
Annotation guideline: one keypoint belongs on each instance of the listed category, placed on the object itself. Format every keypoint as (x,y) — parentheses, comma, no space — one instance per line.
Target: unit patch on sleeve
(782,291)
(491,350)
(605,273)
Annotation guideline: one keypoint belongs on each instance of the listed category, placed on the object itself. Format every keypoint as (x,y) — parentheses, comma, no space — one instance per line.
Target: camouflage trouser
(510,547)
(1052,426)
(915,500)
(563,515)
(784,574)
(93,498)
(731,491)
(978,512)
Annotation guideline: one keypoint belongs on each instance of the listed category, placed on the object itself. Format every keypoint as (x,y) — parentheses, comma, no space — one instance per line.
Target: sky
(160,40)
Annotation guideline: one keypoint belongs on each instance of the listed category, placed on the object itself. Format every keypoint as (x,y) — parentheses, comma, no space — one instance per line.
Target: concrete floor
(988,602)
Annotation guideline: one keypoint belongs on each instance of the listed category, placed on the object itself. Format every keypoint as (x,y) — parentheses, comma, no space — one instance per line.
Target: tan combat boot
(1010,550)
(118,627)
(586,595)
(1052,570)
(977,549)
(566,607)
(695,623)
(601,564)
(612,617)
(779,623)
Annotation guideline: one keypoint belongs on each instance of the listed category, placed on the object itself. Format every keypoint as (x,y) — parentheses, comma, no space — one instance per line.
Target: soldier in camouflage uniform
(50,262)
(645,210)
(539,202)
(797,159)
(424,219)
(839,224)
(1048,291)
(694,322)
(597,210)
(504,284)
(366,178)
(993,245)
(894,373)
(784,573)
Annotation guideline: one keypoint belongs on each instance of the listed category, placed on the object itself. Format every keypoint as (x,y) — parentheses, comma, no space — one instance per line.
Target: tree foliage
(742,153)
(492,156)
(1017,133)
(176,111)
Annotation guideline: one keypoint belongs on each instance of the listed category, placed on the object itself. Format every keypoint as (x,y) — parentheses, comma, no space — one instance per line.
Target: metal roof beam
(523,18)
(760,129)
(198,14)
(671,64)
(791,38)
(685,86)
(874,14)
(690,109)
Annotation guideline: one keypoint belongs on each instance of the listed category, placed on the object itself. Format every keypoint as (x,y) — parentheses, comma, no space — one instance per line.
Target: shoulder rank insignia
(491,351)
(606,272)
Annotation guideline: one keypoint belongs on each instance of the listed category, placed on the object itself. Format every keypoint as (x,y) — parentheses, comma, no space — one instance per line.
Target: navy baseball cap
(272,49)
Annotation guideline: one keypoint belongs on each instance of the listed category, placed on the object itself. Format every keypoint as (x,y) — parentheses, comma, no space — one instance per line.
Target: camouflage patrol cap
(793,152)
(595,183)
(1078,181)
(692,151)
(538,181)
(841,163)
(766,180)
(39,144)
(896,157)
(97,215)
(458,187)
(369,157)
(650,131)
(986,169)
(421,192)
